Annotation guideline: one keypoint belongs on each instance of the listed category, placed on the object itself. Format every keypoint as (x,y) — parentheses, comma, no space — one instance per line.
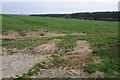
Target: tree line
(103,16)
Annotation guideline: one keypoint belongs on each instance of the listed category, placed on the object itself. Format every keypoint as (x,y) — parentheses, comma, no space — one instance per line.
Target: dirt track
(16,62)
(76,60)
(22,35)
(21,60)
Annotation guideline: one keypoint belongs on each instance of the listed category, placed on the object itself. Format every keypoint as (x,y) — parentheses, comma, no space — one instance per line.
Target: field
(63,47)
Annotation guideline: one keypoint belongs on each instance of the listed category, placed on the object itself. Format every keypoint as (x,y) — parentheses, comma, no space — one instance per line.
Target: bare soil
(74,65)
(16,62)
(47,48)
(20,35)
(78,34)
(16,35)
(79,56)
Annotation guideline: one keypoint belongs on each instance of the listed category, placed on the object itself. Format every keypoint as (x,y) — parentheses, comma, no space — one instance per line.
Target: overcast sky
(57,6)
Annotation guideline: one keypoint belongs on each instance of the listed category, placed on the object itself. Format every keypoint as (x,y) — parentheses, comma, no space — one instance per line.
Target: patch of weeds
(22,33)
(33,71)
(109,68)
(91,68)
(56,59)
(67,43)
(25,43)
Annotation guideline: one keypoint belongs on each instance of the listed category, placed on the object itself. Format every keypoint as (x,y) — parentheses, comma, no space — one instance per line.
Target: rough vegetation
(58,47)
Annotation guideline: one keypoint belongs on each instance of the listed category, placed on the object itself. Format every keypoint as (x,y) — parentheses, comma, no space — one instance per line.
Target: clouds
(56,7)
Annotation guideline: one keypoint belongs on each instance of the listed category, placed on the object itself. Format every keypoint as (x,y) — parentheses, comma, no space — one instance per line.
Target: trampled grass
(102,36)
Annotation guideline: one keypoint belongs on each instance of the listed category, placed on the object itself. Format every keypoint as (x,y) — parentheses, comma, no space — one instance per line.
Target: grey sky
(58,7)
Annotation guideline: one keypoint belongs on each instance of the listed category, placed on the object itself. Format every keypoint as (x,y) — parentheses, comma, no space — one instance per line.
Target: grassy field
(102,36)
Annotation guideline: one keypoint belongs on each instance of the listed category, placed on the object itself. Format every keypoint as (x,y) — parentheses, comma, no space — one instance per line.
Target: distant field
(28,23)
(102,36)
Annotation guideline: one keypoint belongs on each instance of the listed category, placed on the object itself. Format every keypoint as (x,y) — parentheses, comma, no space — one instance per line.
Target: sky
(57,6)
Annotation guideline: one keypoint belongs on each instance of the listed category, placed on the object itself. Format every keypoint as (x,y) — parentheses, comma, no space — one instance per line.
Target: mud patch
(6,51)
(79,56)
(77,34)
(11,36)
(19,35)
(43,34)
(54,34)
(82,49)
(61,73)
(74,65)
(18,64)
(47,48)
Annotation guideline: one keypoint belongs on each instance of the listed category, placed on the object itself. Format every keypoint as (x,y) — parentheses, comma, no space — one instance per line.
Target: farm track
(22,35)
(75,61)
(16,62)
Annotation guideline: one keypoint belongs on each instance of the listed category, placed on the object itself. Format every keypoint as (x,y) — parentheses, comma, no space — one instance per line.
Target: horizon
(57,13)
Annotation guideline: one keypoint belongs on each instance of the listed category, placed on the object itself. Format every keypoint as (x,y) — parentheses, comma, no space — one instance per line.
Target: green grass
(103,44)
(67,42)
(56,59)
(26,43)
(91,68)
(28,23)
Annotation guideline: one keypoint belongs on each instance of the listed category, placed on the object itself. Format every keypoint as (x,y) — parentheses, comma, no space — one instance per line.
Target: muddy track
(22,35)
(48,48)
(76,60)
(20,62)
(17,62)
